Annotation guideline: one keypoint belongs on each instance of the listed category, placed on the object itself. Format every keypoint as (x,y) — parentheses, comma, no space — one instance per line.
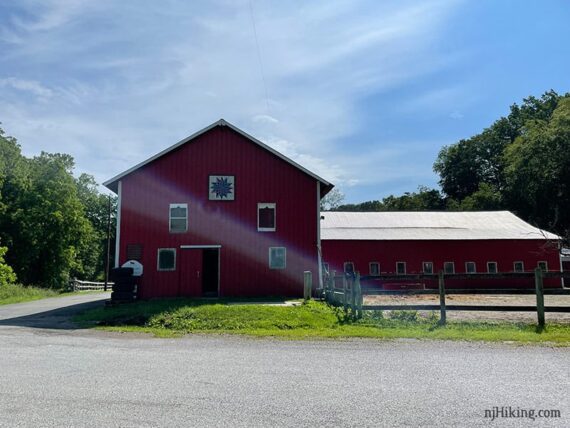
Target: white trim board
(190,247)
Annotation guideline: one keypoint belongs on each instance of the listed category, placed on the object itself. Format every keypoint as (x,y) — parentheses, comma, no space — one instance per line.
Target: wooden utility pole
(108,253)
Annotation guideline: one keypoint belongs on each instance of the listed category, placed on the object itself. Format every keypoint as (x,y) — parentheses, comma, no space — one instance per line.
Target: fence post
(330,288)
(358,296)
(443,315)
(308,283)
(539,297)
(344,287)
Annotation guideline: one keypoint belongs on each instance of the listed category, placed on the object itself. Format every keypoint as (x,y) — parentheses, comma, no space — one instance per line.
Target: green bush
(7,275)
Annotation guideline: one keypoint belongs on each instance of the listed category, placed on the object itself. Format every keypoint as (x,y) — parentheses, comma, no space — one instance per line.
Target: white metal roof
(112,183)
(443,225)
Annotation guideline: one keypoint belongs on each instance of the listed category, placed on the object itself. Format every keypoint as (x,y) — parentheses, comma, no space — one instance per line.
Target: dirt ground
(474,299)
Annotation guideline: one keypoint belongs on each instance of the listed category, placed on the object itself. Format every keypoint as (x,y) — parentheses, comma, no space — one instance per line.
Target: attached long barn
(428,242)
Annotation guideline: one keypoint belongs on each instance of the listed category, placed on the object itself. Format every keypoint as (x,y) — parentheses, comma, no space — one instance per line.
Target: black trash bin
(124,285)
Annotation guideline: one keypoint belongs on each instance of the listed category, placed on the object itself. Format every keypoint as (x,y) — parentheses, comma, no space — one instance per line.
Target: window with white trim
(518,267)
(178,218)
(349,267)
(277,257)
(427,268)
(266,215)
(543,266)
(166,259)
(470,267)
(449,267)
(374,268)
(401,268)
(492,267)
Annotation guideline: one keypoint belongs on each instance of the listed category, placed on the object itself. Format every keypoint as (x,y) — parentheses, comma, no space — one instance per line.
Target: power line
(259,56)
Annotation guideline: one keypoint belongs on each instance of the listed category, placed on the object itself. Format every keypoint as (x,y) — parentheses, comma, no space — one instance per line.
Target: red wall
(387,253)
(181,176)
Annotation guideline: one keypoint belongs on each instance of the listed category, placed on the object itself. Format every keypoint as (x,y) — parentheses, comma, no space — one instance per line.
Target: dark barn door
(211,271)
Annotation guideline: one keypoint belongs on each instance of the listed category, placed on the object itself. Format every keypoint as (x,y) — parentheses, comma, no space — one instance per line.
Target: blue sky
(363,93)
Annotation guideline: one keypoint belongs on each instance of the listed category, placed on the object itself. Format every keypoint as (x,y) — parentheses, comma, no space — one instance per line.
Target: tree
(538,171)
(96,207)
(464,166)
(7,275)
(332,200)
(425,199)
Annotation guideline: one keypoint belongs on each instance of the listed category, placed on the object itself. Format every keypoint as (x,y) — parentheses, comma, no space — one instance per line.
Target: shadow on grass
(139,313)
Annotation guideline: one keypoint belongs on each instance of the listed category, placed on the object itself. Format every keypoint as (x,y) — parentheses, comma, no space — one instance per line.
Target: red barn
(219,214)
(456,242)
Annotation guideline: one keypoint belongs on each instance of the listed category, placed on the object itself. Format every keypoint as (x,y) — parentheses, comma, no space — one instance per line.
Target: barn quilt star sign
(221,187)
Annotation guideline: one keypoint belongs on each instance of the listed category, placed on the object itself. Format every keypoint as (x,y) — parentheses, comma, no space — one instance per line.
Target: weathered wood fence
(77,285)
(347,291)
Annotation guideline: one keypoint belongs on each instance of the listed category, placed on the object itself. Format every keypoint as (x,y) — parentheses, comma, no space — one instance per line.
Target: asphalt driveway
(63,376)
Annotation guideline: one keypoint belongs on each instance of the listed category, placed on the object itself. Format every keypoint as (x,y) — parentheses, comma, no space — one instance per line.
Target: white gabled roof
(112,183)
(444,225)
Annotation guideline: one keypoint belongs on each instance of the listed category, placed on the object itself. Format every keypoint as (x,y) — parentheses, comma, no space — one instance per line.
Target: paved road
(67,377)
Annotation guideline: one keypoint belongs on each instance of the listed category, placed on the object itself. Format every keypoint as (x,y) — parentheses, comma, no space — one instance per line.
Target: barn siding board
(181,176)
(387,253)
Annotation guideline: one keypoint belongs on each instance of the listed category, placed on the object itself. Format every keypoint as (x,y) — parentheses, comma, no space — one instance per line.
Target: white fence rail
(77,285)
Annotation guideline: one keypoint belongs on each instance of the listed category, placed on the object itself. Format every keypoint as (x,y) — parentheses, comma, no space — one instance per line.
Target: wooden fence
(77,285)
(347,291)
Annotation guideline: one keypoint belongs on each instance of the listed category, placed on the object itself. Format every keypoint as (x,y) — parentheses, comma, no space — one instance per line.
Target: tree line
(520,163)
(53,226)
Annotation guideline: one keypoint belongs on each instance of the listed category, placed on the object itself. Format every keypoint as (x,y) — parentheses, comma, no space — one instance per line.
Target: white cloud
(124,81)
(30,86)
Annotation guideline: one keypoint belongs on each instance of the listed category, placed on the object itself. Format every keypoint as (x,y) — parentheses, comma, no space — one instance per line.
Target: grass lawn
(18,293)
(175,317)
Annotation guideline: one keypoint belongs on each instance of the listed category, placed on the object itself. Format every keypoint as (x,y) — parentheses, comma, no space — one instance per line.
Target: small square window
(449,267)
(427,267)
(166,259)
(401,268)
(349,267)
(374,268)
(492,267)
(178,218)
(266,217)
(543,266)
(470,267)
(277,257)
(518,267)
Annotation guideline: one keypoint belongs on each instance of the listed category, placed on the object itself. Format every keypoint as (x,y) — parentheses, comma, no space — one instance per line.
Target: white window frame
(273,205)
(545,265)
(284,258)
(405,268)
(452,268)
(474,267)
(170,218)
(158,259)
(514,266)
(496,267)
(423,268)
(370,268)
